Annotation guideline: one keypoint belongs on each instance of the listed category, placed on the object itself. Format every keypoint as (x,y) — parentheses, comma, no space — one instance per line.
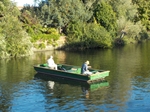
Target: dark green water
(127,88)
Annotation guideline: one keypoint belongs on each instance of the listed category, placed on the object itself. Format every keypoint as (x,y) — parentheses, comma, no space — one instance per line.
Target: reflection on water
(86,89)
(50,84)
(127,89)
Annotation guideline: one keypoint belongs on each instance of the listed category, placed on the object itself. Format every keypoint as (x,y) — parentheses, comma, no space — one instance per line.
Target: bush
(81,36)
(47,35)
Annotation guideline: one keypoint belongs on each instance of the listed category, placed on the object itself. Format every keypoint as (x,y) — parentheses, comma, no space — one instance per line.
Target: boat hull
(72,74)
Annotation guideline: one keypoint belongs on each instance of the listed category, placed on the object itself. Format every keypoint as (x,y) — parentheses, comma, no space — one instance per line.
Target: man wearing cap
(84,69)
(51,63)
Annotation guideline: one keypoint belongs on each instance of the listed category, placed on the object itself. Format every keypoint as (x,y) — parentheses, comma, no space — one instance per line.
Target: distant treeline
(85,23)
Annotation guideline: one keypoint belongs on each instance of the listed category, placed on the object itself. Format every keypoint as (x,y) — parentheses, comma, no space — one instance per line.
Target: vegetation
(143,12)
(14,41)
(83,35)
(85,23)
(42,36)
(59,13)
(106,17)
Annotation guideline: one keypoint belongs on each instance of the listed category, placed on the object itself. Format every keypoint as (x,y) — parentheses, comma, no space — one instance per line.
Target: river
(127,89)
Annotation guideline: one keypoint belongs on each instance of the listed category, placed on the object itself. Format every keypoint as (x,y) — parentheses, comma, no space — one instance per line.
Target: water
(127,89)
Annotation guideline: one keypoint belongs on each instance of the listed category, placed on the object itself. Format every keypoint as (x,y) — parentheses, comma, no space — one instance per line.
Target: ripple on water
(140,97)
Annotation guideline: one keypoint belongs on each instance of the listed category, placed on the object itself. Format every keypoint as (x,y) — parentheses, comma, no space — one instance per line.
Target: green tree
(126,12)
(91,35)
(106,17)
(14,40)
(41,36)
(124,8)
(59,13)
(143,15)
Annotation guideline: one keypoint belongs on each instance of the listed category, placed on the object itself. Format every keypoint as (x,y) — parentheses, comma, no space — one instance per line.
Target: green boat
(72,72)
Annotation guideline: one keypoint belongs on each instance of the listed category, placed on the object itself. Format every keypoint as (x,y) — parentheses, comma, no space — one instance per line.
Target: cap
(87,62)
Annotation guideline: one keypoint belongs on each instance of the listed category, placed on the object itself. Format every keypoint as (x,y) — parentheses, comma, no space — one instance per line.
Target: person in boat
(84,68)
(51,63)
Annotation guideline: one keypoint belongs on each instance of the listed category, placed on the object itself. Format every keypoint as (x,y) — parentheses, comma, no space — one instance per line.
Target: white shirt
(51,62)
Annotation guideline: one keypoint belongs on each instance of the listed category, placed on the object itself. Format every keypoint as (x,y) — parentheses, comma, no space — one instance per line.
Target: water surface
(127,89)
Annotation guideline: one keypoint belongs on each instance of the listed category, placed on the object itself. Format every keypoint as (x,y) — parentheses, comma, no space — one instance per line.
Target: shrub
(81,36)
(48,36)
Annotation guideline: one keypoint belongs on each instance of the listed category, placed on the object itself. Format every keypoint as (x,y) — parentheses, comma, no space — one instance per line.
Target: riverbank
(59,44)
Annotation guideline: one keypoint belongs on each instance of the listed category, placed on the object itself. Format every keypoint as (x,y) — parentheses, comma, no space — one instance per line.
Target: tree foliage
(41,36)
(117,17)
(59,13)
(14,40)
(106,17)
(127,27)
(124,8)
(91,35)
(143,15)
(86,24)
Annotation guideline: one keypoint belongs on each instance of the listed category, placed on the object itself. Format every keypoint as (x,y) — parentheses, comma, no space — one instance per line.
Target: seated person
(84,69)
(51,63)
